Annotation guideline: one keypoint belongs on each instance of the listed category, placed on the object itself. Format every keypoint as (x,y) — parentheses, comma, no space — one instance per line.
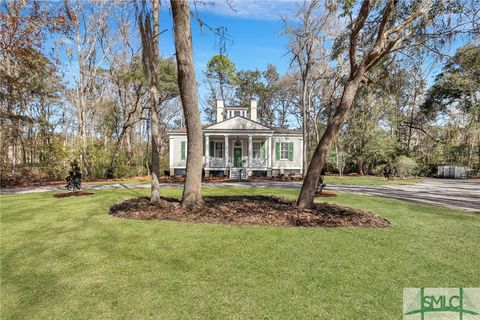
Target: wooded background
(406,111)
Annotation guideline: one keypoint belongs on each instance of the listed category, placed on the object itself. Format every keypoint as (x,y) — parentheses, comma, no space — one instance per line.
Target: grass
(67,259)
(333,180)
(367,180)
(138,180)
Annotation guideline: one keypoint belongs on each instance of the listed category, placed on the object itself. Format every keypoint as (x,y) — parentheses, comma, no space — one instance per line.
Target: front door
(237,156)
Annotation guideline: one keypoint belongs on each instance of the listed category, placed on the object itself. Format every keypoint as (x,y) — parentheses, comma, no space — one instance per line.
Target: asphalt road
(456,194)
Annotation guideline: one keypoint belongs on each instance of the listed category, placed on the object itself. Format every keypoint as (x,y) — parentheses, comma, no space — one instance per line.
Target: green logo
(441,303)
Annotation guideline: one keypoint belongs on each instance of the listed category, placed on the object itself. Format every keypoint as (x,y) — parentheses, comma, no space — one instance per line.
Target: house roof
(239,123)
(286,131)
(178,130)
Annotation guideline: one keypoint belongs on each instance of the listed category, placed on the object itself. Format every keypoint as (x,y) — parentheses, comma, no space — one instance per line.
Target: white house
(238,145)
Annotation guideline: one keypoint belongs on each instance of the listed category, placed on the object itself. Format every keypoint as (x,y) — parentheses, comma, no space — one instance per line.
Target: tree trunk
(410,124)
(155,187)
(192,195)
(310,182)
(150,61)
(83,131)
(304,125)
(147,147)
(360,166)
(81,103)
(304,128)
(128,144)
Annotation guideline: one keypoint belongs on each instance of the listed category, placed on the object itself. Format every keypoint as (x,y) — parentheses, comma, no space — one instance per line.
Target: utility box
(452,172)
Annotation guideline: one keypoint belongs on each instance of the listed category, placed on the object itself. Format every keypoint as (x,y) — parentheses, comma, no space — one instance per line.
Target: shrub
(427,170)
(378,170)
(405,166)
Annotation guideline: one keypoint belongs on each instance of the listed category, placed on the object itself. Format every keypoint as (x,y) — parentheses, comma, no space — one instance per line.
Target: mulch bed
(72,194)
(249,210)
(325,194)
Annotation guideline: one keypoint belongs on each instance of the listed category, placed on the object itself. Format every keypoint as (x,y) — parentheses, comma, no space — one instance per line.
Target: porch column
(250,150)
(270,147)
(226,151)
(207,151)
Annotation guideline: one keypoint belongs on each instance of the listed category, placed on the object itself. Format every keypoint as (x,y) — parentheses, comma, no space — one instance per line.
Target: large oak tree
(375,31)
(192,195)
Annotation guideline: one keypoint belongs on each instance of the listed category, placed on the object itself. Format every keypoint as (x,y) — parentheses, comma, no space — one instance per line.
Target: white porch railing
(259,163)
(220,162)
(216,162)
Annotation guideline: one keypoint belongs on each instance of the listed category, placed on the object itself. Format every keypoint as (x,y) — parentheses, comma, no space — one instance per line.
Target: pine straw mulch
(324,194)
(249,210)
(72,194)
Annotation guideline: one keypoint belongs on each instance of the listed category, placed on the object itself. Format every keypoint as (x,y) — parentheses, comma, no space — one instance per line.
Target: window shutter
(212,144)
(290,151)
(277,150)
(262,150)
(182,155)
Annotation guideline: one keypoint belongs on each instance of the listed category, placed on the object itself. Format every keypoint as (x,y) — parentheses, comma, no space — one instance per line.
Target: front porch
(236,155)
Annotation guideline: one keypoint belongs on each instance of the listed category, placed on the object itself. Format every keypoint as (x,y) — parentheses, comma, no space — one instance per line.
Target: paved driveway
(456,194)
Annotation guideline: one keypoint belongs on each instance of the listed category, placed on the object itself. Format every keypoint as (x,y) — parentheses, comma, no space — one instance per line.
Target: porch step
(238,173)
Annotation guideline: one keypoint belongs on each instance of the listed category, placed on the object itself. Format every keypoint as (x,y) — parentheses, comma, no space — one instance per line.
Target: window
(256,150)
(284,151)
(218,150)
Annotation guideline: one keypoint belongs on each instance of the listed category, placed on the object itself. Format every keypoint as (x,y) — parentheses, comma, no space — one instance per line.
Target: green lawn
(67,259)
(367,180)
(116,181)
(333,180)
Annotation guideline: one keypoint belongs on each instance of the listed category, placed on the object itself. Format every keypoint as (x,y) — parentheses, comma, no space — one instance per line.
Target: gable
(238,123)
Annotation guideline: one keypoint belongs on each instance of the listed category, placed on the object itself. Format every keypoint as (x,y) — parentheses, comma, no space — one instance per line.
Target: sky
(253,35)
(253,32)
(253,29)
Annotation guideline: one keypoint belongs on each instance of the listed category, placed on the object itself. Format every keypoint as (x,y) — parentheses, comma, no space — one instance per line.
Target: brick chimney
(220,110)
(253,110)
